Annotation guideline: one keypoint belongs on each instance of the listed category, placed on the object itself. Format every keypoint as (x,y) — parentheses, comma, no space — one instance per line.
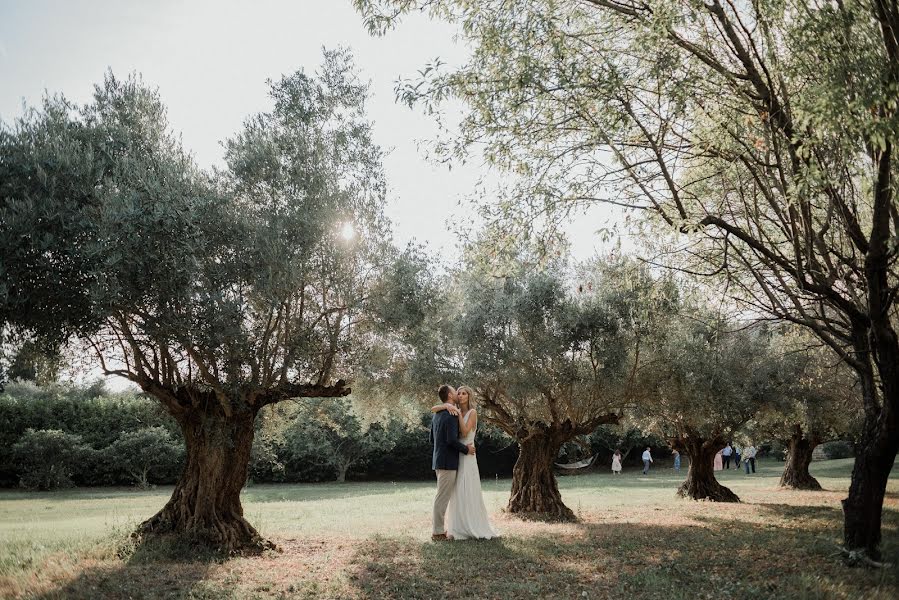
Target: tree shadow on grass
(153,569)
(715,557)
(794,512)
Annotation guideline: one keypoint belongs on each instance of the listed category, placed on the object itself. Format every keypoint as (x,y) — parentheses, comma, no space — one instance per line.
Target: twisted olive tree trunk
(205,505)
(534,489)
(799,456)
(701,483)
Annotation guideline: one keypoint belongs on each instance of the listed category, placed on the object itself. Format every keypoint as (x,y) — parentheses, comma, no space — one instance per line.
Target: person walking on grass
(736,456)
(647,460)
(616,462)
(749,458)
(676,460)
(726,455)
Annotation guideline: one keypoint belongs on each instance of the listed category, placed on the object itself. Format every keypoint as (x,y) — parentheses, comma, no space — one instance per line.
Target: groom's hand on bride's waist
(471,448)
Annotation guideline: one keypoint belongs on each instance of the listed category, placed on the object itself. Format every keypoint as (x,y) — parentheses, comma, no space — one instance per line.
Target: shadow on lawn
(152,570)
(717,557)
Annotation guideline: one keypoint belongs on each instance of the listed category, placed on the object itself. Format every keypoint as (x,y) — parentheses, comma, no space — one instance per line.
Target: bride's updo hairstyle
(470,395)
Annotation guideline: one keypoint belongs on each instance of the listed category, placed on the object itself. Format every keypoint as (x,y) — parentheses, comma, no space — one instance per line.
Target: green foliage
(127,441)
(150,453)
(76,181)
(548,346)
(708,377)
(96,416)
(315,442)
(33,361)
(838,449)
(48,459)
(238,282)
(822,400)
(327,437)
(627,438)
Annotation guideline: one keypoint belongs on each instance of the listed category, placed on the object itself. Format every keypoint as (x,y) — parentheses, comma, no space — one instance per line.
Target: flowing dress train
(467,515)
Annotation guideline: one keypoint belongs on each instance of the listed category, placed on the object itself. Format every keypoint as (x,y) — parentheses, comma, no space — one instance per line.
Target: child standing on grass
(616,462)
(676,460)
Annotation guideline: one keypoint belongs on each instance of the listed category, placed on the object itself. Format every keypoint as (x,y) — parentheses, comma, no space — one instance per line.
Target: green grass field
(371,540)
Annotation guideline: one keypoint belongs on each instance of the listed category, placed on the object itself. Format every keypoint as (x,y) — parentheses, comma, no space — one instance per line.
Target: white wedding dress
(466,514)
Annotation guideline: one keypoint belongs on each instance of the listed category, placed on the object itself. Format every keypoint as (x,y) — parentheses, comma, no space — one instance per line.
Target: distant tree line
(57,436)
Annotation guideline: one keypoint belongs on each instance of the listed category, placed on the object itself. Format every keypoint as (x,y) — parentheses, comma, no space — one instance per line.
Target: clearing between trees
(634,539)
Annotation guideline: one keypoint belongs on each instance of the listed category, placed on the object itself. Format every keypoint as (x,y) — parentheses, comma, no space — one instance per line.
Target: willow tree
(757,138)
(216,295)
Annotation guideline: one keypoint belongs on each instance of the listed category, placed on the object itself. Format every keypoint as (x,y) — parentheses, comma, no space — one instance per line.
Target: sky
(210,61)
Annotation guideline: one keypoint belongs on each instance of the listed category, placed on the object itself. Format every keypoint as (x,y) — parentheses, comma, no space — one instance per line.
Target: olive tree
(216,294)
(819,404)
(552,355)
(708,378)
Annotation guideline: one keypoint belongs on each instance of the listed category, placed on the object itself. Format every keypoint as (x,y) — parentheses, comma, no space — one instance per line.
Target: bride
(466,514)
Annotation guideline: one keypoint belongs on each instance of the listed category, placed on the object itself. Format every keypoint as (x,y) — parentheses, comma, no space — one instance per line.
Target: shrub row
(58,436)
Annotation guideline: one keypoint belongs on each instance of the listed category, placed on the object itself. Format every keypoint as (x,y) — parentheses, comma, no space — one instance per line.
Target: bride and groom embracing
(459,511)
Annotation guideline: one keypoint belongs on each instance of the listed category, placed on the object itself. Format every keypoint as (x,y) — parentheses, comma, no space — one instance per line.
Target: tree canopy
(217,293)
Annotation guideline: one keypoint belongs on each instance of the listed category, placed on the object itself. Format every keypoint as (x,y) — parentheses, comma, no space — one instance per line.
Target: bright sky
(210,60)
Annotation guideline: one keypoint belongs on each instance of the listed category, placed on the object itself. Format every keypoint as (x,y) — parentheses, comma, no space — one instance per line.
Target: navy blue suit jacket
(445,437)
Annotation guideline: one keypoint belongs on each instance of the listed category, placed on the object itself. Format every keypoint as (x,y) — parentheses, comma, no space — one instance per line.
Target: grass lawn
(371,540)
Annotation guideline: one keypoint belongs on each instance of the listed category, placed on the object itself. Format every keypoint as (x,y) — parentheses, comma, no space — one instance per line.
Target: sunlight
(347,232)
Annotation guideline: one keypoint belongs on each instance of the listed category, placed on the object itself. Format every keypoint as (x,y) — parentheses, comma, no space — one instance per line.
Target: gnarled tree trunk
(799,457)
(701,483)
(876,450)
(205,505)
(863,508)
(534,489)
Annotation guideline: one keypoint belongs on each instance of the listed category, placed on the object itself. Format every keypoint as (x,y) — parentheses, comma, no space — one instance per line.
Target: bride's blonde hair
(470,396)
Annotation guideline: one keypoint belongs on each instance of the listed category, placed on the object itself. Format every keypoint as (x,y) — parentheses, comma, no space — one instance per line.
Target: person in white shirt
(647,458)
(726,453)
(749,458)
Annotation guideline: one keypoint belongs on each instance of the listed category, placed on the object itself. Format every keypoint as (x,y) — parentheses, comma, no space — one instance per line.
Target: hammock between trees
(579,464)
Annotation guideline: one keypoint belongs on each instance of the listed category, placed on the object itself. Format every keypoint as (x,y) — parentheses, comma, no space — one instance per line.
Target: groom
(445,437)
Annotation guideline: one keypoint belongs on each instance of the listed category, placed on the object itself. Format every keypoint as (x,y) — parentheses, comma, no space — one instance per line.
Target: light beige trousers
(446,481)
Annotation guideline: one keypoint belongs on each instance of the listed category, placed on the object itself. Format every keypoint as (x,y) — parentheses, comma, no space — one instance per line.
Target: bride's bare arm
(446,406)
(472,421)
